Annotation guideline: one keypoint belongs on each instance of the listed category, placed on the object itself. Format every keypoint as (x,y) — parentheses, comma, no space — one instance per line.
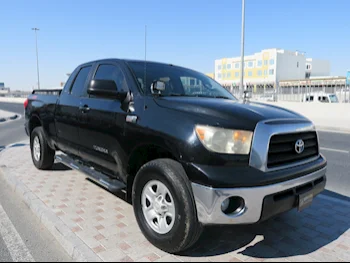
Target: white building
(268,67)
(317,68)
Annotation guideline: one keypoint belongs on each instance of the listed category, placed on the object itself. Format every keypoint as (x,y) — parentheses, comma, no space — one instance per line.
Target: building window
(265,62)
(259,63)
(250,73)
(265,72)
(224,66)
(228,75)
(271,72)
(250,64)
(308,66)
(228,66)
(219,76)
(237,65)
(259,73)
(272,61)
(307,75)
(237,74)
(224,76)
(219,67)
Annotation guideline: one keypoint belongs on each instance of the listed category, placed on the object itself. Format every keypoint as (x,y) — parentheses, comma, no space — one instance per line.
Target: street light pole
(299,70)
(242,48)
(37,55)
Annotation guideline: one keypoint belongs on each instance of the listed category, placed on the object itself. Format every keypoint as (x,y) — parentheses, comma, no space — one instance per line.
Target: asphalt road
(12,131)
(336,148)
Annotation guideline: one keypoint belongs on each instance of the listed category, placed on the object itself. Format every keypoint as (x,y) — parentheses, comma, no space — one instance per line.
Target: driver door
(102,127)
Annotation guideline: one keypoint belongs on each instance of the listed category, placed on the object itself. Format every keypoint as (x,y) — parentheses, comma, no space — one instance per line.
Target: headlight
(225,141)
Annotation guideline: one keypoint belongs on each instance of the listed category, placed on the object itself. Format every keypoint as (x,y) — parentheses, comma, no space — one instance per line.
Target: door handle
(84,108)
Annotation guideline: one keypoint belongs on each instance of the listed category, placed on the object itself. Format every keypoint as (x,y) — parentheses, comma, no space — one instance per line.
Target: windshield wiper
(195,95)
(213,97)
(177,95)
(222,97)
(171,95)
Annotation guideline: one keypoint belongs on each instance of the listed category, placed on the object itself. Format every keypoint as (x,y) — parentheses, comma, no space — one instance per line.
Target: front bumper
(261,202)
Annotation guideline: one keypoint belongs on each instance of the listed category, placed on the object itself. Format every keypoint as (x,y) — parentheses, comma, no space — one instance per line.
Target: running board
(112,185)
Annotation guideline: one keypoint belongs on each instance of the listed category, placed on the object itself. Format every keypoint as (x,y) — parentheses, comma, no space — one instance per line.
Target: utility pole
(37,55)
(242,49)
(299,64)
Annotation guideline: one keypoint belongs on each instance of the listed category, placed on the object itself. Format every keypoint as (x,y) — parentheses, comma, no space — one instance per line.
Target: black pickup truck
(185,151)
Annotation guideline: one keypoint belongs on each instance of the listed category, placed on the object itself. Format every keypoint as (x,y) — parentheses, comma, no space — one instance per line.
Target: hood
(243,114)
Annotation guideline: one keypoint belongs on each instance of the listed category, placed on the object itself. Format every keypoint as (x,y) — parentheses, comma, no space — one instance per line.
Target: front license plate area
(305,201)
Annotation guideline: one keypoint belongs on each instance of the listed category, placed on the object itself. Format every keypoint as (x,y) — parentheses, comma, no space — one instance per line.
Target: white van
(320,98)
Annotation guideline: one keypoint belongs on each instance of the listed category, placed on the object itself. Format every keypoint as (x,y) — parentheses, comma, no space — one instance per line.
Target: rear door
(102,127)
(67,110)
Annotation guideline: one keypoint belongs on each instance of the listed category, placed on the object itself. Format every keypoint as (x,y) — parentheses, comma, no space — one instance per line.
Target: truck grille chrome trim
(265,130)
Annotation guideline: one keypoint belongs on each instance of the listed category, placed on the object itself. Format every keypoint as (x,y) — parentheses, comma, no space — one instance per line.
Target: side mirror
(157,87)
(105,89)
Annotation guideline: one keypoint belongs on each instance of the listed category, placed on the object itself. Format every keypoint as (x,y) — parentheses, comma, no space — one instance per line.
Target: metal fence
(293,93)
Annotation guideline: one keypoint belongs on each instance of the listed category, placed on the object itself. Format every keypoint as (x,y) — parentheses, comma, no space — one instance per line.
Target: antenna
(145,56)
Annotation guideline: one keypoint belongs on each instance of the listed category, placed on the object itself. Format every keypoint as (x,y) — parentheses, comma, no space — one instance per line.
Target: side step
(112,185)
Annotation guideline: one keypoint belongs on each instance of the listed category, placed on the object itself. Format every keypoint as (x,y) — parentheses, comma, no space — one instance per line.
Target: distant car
(320,98)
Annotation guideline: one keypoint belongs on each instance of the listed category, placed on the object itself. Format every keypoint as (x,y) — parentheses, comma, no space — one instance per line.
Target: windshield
(178,81)
(333,98)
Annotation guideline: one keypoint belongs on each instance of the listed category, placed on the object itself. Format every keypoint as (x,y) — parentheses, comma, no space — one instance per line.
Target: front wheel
(42,155)
(164,206)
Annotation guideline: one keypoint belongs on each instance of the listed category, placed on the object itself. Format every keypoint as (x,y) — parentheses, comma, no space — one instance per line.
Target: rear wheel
(164,206)
(42,155)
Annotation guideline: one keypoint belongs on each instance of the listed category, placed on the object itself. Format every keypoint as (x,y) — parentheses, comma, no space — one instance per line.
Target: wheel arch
(143,154)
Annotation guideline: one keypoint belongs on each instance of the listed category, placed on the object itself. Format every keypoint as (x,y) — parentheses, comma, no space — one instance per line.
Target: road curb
(11,118)
(70,242)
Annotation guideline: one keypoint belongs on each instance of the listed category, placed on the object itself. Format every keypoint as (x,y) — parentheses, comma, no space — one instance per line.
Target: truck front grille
(282,148)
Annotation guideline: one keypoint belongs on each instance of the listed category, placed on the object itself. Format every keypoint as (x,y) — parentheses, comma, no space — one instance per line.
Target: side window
(80,81)
(112,72)
(69,82)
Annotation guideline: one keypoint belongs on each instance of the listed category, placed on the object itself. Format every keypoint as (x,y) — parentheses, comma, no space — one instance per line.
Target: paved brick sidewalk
(106,223)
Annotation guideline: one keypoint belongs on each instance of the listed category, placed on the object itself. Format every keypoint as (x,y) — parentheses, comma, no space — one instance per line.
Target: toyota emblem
(299,146)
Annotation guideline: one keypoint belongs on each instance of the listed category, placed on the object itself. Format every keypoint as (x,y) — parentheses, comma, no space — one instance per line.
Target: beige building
(269,67)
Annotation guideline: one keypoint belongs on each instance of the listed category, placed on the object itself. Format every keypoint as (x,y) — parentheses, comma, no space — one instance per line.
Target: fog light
(234,206)
(225,205)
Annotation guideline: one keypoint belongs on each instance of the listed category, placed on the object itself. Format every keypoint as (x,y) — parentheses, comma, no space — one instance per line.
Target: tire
(184,230)
(46,158)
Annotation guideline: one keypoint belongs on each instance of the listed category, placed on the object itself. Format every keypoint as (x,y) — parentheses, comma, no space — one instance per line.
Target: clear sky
(184,32)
